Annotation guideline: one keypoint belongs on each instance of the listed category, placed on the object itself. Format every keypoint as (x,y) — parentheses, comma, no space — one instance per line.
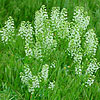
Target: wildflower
(22,30)
(60,26)
(7,32)
(26,32)
(41,17)
(51,85)
(89,82)
(49,32)
(81,18)
(90,44)
(28,79)
(27,75)
(55,15)
(45,42)
(44,72)
(78,70)
(93,66)
(37,51)
(63,29)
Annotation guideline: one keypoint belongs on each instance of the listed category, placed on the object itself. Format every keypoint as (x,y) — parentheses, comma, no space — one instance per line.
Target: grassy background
(10,67)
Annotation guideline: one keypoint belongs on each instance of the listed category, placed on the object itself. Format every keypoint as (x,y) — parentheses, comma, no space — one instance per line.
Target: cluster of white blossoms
(55,15)
(77,27)
(41,18)
(90,47)
(44,72)
(63,24)
(74,48)
(82,46)
(49,35)
(32,81)
(45,42)
(22,30)
(51,85)
(38,51)
(28,79)
(90,44)
(93,66)
(89,82)
(26,32)
(80,17)
(7,32)
(59,23)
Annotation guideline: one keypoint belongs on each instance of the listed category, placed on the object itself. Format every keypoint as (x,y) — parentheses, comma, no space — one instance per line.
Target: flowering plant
(54,44)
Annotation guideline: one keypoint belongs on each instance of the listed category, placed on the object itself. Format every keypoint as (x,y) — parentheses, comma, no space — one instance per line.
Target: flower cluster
(80,18)
(89,82)
(44,72)
(26,32)
(90,44)
(82,46)
(7,32)
(59,23)
(34,81)
(90,47)
(51,85)
(38,51)
(45,42)
(55,15)
(93,66)
(74,48)
(27,78)
(41,18)
(49,35)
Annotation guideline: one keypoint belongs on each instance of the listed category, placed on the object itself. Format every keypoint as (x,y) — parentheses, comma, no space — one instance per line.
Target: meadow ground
(11,62)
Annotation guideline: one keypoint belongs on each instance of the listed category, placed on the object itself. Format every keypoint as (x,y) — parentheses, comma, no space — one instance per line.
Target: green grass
(11,62)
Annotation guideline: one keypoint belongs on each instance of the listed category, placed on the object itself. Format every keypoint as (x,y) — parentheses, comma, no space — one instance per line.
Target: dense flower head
(81,18)
(55,14)
(59,23)
(7,32)
(26,32)
(44,36)
(89,82)
(28,79)
(27,75)
(44,72)
(34,81)
(93,66)
(78,69)
(74,45)
(90,44)
(41,17)
(63,14)
(64,26)
(75,48)
(51,85)
(22,29)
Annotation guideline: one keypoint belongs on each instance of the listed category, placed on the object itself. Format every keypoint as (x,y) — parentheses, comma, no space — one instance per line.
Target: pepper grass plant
(55,59)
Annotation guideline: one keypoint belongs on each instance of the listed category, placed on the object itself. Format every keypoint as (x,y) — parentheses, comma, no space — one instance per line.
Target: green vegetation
(14,59)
